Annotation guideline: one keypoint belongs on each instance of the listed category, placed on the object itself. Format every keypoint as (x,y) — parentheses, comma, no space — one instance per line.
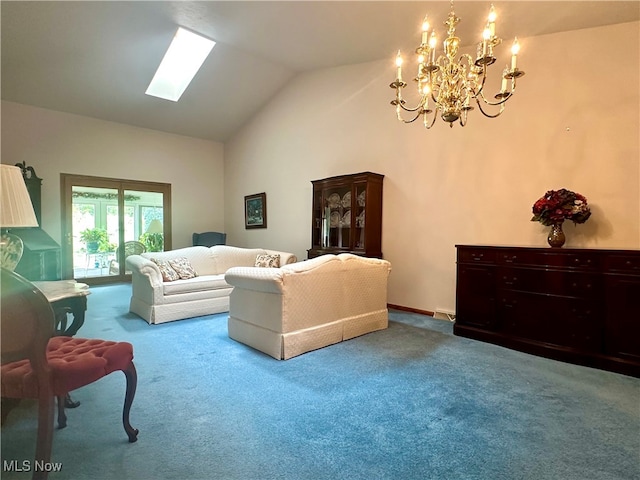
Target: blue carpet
(410,402)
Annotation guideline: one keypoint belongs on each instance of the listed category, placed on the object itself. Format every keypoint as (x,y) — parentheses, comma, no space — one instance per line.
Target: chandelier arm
(409,121)
(493,104)
(433,119)
(487,114)
(415,109)
(484,79)
(503,100)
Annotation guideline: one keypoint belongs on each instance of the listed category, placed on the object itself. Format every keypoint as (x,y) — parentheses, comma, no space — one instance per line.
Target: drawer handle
(478,257)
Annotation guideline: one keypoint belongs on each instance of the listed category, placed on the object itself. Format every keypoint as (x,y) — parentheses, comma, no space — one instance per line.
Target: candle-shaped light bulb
(425,30)
(433,41)
(504,79)
(486,35)
(399,65)
(492,21)
(515,48)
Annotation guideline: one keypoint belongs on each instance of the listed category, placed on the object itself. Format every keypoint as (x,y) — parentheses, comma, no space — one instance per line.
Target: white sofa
(159,301)
(288,311)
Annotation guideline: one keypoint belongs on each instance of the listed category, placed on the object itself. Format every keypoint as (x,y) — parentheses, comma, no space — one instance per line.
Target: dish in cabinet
(346,219)
(334,219)
(334,200)
(361,198)
(346,200)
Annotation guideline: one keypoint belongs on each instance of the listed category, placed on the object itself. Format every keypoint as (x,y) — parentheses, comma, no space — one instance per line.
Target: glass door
(105,220)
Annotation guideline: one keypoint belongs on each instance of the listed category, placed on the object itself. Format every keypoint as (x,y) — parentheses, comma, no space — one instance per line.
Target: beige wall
(54,142)
(574,123)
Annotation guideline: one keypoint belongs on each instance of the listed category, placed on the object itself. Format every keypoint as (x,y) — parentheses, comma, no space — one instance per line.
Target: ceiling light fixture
(452,83)
(183,59)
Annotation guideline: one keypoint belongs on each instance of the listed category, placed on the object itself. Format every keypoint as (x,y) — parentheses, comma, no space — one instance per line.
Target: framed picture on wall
(255,211)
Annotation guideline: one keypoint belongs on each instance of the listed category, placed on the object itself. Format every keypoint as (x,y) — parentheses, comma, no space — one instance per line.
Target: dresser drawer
(550,258)
(552,282)
(623,264)
(476,255)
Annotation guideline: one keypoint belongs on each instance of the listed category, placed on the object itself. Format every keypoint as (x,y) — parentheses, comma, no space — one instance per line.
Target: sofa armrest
(143,267)
(259,279)
(285,257)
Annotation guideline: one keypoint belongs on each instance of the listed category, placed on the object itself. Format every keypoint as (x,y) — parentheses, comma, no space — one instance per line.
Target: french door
(106,219)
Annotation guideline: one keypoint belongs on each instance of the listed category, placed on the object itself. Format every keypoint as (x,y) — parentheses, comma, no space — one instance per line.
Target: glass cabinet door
(336,217)
(318,219)
(358,210)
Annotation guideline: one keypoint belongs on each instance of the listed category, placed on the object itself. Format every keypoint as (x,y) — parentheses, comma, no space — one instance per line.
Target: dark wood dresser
(576,305)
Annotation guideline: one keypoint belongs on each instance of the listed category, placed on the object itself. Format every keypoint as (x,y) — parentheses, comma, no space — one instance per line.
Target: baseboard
(410,309)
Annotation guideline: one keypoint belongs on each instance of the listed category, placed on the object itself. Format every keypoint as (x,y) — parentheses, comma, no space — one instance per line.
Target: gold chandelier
(450,84)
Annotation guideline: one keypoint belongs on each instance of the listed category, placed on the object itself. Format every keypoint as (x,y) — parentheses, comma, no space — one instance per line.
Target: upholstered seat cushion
(75,362)
(196,284)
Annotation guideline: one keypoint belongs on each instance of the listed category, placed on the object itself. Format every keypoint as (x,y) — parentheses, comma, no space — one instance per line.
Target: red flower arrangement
(556,206)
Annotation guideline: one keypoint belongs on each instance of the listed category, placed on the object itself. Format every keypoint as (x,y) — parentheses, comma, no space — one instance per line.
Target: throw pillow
(168,273)
(183,267)
(268,261)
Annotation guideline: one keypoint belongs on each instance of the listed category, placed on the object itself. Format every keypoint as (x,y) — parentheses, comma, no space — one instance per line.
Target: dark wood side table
(66,296)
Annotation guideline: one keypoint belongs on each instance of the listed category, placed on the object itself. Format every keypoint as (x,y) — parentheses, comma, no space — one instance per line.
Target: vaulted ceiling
(97,58)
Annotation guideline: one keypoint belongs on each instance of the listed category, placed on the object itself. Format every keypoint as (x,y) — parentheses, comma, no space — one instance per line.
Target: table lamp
(16,210)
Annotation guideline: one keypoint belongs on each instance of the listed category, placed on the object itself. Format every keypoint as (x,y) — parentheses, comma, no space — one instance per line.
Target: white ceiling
(97,58)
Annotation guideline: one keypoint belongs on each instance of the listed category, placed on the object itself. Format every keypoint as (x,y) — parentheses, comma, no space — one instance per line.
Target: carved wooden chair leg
(132,382)
(44,440)
(62,415)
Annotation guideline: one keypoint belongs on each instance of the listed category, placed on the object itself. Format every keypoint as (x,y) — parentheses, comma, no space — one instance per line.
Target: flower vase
(556,236)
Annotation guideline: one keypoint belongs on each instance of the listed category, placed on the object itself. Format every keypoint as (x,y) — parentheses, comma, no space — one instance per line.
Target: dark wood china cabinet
(347,215)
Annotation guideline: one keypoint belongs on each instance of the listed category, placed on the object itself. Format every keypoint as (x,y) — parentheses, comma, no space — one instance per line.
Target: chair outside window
(130,248)
(209,239)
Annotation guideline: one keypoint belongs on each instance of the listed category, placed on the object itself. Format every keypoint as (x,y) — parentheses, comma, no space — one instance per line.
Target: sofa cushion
(201,258)
(168,273)
(227,256)
(183,267)
(196,284)
(267,261)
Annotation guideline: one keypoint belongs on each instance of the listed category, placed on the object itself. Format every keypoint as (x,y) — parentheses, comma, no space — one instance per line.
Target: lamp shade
(155,226)
(16,209)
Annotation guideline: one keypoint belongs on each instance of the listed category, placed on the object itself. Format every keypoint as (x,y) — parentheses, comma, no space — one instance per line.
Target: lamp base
(11,248)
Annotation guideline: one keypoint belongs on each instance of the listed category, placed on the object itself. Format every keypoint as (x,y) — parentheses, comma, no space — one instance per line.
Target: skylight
(183,59)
